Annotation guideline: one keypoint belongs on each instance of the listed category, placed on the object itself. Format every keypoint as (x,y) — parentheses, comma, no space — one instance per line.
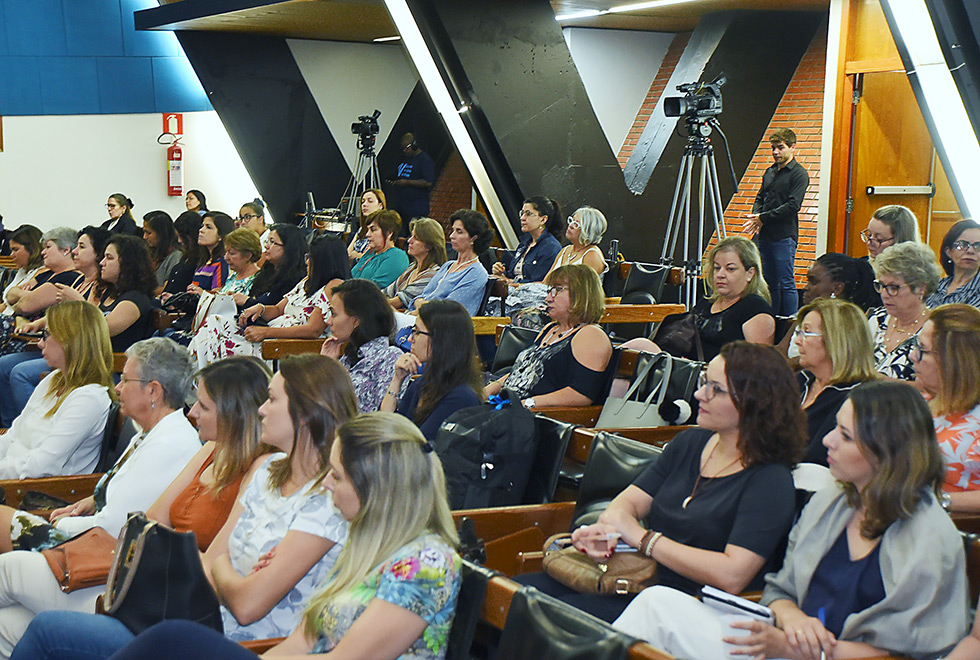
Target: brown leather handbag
(623,573)
(82,561)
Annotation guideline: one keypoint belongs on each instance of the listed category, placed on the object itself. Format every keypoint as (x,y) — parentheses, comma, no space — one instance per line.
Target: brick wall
(801,109)
(657,89)
(452,190)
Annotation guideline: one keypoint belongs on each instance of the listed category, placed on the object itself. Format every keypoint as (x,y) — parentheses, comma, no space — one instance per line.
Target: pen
(822,617)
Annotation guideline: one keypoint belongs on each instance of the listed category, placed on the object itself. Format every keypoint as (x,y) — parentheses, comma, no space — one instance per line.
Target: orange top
(195,510)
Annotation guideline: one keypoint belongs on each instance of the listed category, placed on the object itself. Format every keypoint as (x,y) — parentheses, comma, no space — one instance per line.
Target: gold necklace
(687,500)
(913,325)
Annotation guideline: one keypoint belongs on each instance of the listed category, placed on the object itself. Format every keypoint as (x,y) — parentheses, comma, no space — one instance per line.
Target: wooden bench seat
(70,489)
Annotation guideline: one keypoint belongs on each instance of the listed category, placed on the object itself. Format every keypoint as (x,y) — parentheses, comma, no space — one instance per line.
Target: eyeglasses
(891,289)
(530,214)
(961,246)
(874,241)
(802,334)
(126,379)
(917,350)
(714,389)
(416,332)
(573,223)
(246,218)
(555,290)
(270,243)
(112,206)
(45,335)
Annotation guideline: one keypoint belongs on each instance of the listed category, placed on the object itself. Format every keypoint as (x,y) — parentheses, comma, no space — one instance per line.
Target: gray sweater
(925,608)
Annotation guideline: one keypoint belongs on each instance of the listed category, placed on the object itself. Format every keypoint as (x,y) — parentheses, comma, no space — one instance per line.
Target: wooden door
(892,147)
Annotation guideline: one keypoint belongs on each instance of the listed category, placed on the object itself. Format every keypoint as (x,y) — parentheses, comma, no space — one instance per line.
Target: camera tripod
(365,176)
(698,148)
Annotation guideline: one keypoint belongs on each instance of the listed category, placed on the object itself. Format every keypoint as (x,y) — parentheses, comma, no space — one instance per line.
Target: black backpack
(487,454)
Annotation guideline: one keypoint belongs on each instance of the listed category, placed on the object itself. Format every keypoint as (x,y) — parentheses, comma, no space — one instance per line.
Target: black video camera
(366,129)
(701,100)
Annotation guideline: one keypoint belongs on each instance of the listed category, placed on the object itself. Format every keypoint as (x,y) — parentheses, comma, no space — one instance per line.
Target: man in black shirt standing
(414,178)
(775,220)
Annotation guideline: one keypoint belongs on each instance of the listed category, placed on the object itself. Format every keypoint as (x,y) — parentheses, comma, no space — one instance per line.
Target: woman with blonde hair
(945,358)
(427,248)
(566,364)
(398,573)
(835,353)
(873,566)
(60,430)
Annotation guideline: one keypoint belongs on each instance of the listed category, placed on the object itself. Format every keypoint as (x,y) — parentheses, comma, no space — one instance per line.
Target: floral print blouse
(373,372)
(898,362)
(422,577)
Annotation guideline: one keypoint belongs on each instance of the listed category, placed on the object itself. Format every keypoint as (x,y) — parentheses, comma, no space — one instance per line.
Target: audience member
(25,250)
(213,269)
(427,248)
(890,225)
(187,225)
(960,258)
(907,273)
(242,250)
(372,200)
(874,567)
(361,322)
(585,229)
(252,216)
(195,202)
(566,365)
(284,264)
(444,344)
(836,355)
(121,219)
(719,501)
(161,239)
(541,223)
(384,261)
(945,358)
(463,280)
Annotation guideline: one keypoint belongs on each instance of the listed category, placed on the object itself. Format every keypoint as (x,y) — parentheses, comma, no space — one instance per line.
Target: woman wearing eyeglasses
(960,258)
(907,273)
(720,499)
(121,220)
(585,229)
(444,344)
(836,355)
(945,358)
(252,216)
(890,225)
(566,364)
(541,224)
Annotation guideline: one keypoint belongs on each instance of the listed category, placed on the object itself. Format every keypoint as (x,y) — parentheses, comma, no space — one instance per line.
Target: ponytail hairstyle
(549,207)
(124,202)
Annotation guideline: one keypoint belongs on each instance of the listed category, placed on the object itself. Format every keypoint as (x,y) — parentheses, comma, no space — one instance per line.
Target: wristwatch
(528,402)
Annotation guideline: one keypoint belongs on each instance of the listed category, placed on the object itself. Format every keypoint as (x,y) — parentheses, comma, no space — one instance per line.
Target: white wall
(349,80)
(59,170)
(617,68)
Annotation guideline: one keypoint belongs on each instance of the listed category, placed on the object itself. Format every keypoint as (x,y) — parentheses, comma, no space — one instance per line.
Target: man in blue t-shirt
(413,178)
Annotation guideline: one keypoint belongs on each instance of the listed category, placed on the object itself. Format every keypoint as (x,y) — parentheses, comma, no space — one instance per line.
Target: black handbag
(678,335)
(157,575)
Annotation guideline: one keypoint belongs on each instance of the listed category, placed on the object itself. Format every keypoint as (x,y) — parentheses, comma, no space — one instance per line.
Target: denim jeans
(778,258)
(71,636)
(9,407)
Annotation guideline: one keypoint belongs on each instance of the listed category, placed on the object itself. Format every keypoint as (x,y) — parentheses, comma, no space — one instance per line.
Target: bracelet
(643,541)
(394,394)
(646,546)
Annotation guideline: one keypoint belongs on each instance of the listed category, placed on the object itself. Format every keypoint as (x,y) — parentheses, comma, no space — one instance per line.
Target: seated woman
(60,430)
(361,322)
(300,314)
(890,225)
(121,220)
(835,352)
(443,342)
(212,269)
(372,200)
(835,275)
(585,229)
(960,258)
(161,239)
(152,391)
(945,360)
(874,567)
(125,300)
(384,261)
(566,365)
(242,251)
(398,573)
(199,500)
(464,279)
(284,264)
(907,273)
(541,223)
(25,250)
(720,500)
(427,248)
(196,202)
(188,226)
(252,216)
(29,300)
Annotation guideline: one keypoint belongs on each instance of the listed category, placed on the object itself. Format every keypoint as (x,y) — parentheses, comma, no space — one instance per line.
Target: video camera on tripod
(699,105)
(366,129)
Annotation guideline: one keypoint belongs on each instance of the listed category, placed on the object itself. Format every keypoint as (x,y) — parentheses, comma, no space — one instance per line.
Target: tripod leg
(716,199)
(670,237)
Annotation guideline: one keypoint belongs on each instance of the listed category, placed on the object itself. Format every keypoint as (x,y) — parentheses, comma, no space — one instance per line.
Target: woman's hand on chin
(332,348)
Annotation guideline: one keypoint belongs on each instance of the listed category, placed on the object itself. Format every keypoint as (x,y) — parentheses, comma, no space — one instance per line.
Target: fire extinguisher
(175,171)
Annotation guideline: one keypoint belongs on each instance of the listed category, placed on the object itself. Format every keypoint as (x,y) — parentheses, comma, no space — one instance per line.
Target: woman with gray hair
(907,273)
(154,385)
(585,229)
